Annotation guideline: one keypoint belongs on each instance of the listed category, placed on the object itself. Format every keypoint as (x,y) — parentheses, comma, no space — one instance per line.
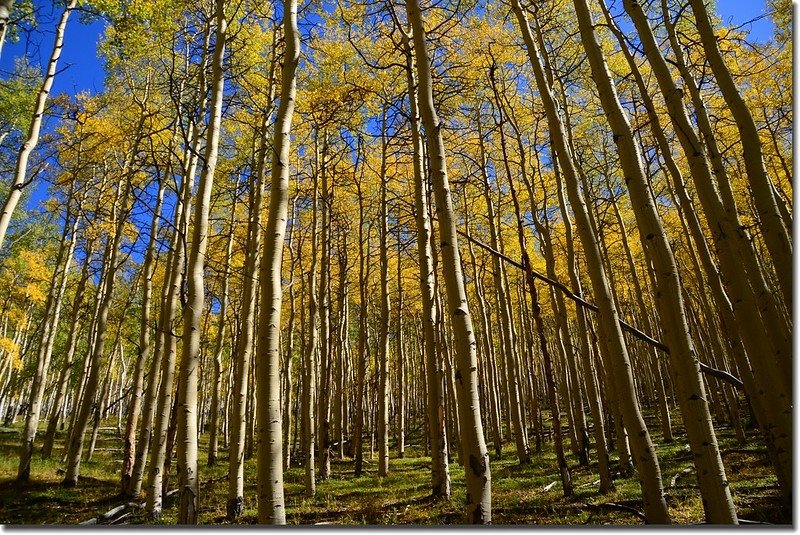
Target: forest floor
(520,494)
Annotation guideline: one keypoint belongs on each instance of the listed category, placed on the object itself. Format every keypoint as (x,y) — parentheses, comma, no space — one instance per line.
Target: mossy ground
(519,494)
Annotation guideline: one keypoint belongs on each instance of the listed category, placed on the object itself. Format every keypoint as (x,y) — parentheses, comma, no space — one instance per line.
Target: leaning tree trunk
(271,508)
(774,232)
(109,271)
(20,171)
(76,325)
(473,445)
(613,346)
(52,313)
(717,500)
(5,14)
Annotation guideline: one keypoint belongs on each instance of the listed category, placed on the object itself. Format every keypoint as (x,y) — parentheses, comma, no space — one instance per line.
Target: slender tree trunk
(440,470)
(383,329)
(135,407)
(195,301)
(213,439)
(167,354)
(271,508)
(614,350)
(774,232)
(20,179)
(717,500)
(52,313)
(6,6)
(363,351)
(473,446)
(76,325)
(324,389)
(401,365)
(109,270)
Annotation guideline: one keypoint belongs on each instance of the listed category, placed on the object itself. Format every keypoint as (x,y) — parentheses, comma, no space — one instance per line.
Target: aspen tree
(486,341)
(52,313)
(552,392)
(288,357)
(192,312)
(310,376)
(383,331)
(400,352)
(363,352)
(243,349)
(213,439)
(271,508)
(6,6)
(440,469)
(613,345)
(20,179)
(166,314)
(163,403)
(734,253)
(76,325)
(476,465)
(135,406)
(505,318)
(775,234)
(589,374)
(719,204)
(323,398)
(110,267)
(717,500)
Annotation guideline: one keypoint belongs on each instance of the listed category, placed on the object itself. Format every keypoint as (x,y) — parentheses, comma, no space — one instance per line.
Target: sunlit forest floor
(520,495)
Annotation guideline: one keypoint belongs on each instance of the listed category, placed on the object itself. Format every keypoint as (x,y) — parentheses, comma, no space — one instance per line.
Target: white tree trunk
(21,169)
(271,508)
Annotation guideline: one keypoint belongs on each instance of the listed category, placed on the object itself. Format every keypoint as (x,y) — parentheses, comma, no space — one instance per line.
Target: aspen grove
(396,262)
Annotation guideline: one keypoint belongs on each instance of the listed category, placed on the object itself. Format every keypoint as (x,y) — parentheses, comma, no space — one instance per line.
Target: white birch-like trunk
(473,445)
(189,483)
(271,508)
(20,171)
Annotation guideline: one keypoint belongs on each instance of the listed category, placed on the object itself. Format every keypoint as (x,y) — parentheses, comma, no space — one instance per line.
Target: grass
(520,494)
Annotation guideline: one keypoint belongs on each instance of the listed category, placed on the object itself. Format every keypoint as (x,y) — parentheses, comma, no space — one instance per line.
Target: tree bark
(18,183)
(478,474)
(271,508)
(614,350)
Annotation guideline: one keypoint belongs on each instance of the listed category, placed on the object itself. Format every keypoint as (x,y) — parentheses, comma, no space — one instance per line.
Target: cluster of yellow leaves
(11,349)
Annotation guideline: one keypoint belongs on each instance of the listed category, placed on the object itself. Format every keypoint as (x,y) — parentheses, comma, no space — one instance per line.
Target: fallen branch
(719,374)
(120,518)
(674,480)
(618,507)
(108,515)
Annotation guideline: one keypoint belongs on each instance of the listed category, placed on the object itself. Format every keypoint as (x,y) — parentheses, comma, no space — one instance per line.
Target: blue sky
(81,70)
